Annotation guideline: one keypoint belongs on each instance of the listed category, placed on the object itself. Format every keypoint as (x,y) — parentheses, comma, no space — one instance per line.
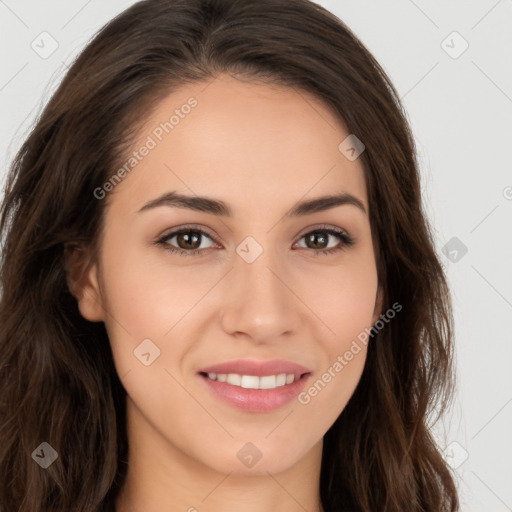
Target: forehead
(247,143)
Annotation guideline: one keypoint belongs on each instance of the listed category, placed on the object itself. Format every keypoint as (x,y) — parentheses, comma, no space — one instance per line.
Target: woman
(219,286)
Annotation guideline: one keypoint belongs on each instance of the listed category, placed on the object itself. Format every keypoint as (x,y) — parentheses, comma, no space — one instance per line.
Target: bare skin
(260,149)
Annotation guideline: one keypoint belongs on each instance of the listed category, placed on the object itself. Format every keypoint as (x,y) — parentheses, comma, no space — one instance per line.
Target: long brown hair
(58,381)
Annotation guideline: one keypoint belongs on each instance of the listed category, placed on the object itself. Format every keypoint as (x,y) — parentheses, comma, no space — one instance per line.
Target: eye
(189,240)
(320,237)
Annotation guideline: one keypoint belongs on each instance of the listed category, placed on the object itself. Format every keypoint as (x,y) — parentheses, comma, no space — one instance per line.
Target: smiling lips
(255,386)
(253,381)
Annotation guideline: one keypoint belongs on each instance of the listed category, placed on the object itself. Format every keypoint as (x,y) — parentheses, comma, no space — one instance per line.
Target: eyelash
(345,240)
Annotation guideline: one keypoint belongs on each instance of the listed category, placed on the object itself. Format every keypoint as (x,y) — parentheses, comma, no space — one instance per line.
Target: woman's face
(256,286)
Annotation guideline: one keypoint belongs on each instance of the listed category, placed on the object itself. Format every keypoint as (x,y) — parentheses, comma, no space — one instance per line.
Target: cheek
(148,293)
(342,295)
(326,396)
(346,307)
(345,302)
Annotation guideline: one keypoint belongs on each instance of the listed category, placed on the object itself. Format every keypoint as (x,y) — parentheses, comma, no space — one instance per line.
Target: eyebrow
(220,208)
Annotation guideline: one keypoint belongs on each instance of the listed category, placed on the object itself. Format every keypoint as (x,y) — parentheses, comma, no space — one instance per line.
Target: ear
(378,305)
(82,280)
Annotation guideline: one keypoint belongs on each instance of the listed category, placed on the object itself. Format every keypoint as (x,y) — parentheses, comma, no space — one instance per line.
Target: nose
(261,302)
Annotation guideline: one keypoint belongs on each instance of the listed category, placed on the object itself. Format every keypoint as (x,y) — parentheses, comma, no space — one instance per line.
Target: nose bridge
(261,279)
(259,302)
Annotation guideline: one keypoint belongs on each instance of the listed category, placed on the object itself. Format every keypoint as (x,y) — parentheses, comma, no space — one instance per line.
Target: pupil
(186,239)
(315,238)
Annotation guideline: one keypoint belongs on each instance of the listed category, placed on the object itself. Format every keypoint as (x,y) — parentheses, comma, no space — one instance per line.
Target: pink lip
(256,400)
(257,368)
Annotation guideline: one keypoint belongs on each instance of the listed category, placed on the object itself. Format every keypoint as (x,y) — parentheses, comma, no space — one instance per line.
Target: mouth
(255,386)
(254,381)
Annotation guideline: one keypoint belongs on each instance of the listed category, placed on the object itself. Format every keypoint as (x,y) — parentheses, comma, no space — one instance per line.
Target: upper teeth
(252,381)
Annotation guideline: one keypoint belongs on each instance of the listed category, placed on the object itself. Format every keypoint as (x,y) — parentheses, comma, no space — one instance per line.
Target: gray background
(460,108)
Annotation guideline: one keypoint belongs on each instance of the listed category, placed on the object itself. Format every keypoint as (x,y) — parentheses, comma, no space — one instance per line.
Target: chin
(248,461)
